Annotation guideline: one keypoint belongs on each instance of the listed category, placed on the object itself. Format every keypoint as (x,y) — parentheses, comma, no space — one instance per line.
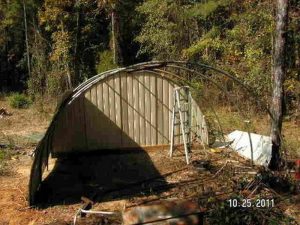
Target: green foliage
(70,41)
(105,61)
(168,28)
(206,8)
(12,43)
(19,101)
(57,19)
(207,44)
(159,33)
(37,82)
(238,38)
(75,31)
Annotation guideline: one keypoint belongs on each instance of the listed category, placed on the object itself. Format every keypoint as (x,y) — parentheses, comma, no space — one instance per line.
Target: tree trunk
(278,79)
(115,33)
(76,48)
(26,39)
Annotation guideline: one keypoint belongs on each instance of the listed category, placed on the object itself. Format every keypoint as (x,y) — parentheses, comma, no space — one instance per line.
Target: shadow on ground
(104,174)
(101,177)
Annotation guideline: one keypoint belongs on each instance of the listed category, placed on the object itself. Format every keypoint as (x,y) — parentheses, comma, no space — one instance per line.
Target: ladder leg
(183,132)
(189,117)
(172,132)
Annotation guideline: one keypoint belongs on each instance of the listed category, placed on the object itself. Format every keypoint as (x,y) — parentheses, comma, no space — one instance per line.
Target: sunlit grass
(229,120)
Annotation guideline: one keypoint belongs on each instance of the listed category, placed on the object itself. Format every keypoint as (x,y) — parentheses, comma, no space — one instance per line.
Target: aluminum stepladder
(181,115)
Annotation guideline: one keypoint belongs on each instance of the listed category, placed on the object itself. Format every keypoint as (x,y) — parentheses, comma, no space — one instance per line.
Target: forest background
(47,47)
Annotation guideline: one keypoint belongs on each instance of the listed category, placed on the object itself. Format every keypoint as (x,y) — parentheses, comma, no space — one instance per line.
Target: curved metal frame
(153,66)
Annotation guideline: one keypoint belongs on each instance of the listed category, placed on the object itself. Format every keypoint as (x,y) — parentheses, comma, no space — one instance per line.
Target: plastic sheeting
(262,146)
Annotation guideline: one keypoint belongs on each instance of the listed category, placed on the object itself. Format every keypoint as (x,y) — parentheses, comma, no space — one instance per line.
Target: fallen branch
(246,172)
(225,164)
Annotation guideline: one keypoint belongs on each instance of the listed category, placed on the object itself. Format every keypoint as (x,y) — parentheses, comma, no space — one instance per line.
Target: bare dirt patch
(26,121)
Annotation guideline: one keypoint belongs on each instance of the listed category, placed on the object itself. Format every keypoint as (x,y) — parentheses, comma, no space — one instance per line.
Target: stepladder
(181,117)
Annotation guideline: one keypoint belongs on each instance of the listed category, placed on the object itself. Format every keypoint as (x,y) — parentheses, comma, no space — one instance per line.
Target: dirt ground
(163,178)
(120,182)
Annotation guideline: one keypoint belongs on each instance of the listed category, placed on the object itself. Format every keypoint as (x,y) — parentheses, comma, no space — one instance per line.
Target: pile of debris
(4,112)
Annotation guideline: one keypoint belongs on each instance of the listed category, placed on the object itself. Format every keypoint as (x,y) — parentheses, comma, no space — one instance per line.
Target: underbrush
(260,200)
(20,127)
(40,107)
(45,107)
(19,101)
(224,214)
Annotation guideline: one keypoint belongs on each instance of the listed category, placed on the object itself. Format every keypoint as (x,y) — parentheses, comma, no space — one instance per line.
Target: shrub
(19,101)
(105,62)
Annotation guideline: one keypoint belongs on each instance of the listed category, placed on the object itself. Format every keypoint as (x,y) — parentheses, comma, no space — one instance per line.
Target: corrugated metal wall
(126,110)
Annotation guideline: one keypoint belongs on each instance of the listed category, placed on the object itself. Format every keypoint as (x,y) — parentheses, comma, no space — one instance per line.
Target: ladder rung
(185,122)
(183,111)
(183,99)
(178,124)
(176,135)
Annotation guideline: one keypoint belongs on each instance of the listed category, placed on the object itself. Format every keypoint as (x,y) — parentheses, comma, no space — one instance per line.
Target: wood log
(167,212)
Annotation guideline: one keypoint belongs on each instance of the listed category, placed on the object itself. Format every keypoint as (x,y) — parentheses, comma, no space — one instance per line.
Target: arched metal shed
(119,109)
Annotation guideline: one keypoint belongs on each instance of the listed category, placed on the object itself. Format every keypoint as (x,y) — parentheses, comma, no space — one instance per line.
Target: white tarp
(262,146)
